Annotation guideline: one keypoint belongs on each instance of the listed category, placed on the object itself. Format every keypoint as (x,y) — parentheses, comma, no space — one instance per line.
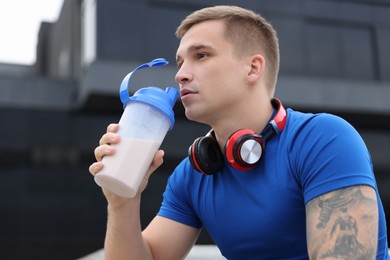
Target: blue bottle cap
(158,98)
(154,96)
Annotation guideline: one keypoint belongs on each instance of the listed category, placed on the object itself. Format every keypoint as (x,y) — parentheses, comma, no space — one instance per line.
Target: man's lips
(185,91)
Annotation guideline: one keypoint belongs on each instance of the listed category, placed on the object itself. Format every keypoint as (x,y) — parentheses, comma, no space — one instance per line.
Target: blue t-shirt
(260,213)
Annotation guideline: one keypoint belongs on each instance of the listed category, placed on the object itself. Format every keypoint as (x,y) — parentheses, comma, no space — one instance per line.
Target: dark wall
(338,39)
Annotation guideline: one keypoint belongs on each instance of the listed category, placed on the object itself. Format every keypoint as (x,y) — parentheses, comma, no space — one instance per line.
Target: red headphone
(244,149)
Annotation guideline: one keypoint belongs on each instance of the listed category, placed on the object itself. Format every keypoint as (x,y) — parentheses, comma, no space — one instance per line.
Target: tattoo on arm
(340,215)
(340,200)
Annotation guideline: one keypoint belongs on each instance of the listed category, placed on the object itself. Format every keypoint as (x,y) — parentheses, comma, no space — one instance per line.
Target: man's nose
(183,76)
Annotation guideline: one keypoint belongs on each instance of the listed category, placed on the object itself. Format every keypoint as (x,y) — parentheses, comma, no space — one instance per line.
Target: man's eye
(201,55)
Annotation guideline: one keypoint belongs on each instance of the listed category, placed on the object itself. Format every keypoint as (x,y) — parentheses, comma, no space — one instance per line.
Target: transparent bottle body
(142,129)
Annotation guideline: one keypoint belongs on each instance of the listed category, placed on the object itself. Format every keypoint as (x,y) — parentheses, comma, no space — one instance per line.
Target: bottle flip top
(154,96)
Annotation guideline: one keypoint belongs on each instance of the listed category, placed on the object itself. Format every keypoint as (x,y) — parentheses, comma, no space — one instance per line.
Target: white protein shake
(124,172)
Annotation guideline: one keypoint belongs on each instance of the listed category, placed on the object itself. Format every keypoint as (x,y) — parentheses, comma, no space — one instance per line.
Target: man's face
(210,73)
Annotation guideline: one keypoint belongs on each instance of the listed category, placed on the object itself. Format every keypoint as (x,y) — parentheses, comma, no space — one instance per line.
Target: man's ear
(257,68)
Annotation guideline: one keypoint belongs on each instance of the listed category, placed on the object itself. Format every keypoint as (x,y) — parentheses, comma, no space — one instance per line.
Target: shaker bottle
(146,119)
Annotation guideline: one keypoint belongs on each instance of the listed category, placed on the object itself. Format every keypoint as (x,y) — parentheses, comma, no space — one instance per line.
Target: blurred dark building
(335,57)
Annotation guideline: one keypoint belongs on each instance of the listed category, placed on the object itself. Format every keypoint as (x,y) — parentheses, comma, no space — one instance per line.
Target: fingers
(105,148)
(100,152)
(95,168)
(112,127)
(157,161)
(109,138)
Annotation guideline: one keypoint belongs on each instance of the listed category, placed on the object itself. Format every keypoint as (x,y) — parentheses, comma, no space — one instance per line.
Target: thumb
(157,161)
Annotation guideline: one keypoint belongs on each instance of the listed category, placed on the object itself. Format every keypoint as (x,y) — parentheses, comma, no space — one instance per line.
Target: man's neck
(255,118)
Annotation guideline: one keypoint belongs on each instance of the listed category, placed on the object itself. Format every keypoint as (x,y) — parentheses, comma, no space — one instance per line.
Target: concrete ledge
(198,252)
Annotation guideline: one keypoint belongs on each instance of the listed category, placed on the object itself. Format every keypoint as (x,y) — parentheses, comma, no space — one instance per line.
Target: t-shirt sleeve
(330,155)
(176,204)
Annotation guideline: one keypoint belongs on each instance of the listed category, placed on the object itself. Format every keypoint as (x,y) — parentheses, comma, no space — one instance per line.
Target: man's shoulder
(323,122)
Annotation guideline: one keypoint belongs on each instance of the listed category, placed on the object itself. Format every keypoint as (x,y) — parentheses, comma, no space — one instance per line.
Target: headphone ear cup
(244,149)
(205,155)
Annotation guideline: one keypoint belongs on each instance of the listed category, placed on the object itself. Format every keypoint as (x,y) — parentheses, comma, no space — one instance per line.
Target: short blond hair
(249,32)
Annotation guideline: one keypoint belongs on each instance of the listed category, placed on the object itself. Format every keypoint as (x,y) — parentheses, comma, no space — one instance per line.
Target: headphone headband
(279,120)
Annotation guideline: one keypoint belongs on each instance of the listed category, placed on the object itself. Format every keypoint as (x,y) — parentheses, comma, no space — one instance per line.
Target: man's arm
(124,239)
(169,239)
(162,239)
(343,224)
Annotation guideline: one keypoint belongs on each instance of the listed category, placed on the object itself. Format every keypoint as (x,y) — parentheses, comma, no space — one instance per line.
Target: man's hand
(106,148)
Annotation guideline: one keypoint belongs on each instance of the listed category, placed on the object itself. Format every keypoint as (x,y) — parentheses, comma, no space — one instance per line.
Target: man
(288,186)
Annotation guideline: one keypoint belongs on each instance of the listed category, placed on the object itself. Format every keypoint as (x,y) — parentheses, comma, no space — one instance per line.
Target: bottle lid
(158,98)
(154,96)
